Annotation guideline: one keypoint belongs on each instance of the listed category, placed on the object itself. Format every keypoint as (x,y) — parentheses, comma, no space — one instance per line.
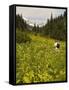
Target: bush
(22,37)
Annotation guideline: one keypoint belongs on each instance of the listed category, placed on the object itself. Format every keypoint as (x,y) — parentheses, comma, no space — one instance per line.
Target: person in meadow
(57,44)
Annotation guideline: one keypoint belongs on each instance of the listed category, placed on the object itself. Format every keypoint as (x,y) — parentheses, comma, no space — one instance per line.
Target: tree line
(54,28)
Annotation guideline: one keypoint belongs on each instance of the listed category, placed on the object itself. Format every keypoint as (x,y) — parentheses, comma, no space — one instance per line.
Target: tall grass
(38,61)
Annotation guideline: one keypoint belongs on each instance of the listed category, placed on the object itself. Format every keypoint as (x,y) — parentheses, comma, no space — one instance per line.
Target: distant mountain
(29,27)
(54,28)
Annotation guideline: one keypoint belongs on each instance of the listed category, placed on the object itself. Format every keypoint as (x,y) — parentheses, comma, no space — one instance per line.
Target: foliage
(36,58)
(39,61)
(20,22)
(56,27)
(22,37)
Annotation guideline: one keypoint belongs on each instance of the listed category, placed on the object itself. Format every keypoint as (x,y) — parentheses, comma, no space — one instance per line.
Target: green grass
(38,61)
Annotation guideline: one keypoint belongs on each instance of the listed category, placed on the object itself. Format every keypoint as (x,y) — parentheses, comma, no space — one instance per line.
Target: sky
(38,16)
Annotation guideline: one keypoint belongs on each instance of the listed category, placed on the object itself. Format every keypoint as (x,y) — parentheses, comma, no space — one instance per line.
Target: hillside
(53,28)
(38,61)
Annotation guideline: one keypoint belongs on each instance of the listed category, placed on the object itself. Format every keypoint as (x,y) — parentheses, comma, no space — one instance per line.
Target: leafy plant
(22,37)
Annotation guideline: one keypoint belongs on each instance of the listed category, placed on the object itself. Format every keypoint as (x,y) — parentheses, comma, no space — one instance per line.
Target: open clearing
(38,61)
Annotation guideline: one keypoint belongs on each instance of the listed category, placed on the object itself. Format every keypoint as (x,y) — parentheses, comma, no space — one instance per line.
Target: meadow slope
(38,61)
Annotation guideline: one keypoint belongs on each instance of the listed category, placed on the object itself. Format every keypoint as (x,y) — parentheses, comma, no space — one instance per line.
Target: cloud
(38,15)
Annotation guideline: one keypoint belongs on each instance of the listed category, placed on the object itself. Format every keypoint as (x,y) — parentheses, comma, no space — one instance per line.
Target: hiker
(57,45)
